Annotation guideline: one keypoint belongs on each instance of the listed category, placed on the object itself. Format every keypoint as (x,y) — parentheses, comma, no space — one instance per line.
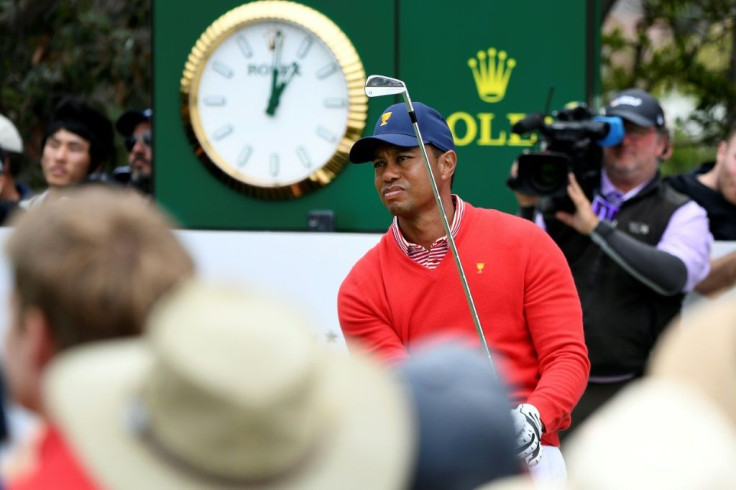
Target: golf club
(378,86)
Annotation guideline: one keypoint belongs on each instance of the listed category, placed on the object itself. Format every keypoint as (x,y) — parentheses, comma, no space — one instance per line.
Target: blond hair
(95,262)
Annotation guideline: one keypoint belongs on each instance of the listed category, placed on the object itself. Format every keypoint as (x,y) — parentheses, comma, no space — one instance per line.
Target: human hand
(584,220)
(528,427)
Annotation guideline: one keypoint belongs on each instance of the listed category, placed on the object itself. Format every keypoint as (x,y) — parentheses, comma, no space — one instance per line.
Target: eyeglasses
(131,140)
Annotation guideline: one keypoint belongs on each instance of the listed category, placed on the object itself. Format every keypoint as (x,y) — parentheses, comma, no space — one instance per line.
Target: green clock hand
(278,88)
(273,99)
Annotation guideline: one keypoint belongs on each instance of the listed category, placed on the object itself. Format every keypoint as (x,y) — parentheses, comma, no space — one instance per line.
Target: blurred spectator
(135,127)
(86,269)
(713,186)
(11,149)
(655,433)
(229,389)
(466,433)
(77,143)
(675,428)
(703,354)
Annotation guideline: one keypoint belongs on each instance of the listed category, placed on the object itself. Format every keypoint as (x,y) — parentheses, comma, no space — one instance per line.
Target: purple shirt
(687,235)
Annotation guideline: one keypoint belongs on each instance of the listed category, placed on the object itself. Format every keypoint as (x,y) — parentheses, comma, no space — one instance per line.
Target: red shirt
(524,293)
(57,467)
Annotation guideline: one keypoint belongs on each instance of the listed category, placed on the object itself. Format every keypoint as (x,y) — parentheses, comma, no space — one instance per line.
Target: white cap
(10,139)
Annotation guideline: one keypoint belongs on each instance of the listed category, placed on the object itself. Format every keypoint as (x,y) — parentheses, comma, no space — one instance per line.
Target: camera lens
(549,177)
(544,174)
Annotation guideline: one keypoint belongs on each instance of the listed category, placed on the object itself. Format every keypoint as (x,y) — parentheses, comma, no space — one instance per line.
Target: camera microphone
(531,122)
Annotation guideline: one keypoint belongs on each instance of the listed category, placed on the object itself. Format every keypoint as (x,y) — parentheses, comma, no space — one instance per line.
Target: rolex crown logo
(491,73)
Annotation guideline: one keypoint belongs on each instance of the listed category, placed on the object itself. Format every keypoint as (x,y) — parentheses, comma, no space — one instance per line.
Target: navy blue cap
(130,119)
(637,106)
(395,127)
(463,416)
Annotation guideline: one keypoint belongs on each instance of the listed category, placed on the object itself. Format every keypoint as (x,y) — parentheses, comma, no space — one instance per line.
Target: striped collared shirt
(430,258)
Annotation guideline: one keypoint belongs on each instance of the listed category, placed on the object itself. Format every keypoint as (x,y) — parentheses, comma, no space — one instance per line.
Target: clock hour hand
(278,88)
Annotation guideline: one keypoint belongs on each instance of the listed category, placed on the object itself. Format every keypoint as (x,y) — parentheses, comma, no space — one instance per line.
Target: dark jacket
(622,317)
(721,213)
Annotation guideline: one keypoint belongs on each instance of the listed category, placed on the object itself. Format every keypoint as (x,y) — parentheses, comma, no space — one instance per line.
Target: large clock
(272,98)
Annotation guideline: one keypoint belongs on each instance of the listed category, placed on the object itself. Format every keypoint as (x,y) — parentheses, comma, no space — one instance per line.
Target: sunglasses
(131,140)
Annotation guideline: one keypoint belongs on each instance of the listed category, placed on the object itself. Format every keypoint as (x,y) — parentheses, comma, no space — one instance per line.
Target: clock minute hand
(273,99)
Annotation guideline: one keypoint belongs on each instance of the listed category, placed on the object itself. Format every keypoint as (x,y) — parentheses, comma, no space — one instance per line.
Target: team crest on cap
(385,117)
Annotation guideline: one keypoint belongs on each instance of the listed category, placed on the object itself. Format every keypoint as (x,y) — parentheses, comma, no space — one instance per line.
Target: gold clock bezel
(321,27)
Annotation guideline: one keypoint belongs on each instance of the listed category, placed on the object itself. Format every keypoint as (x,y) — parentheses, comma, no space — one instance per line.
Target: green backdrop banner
(484,65)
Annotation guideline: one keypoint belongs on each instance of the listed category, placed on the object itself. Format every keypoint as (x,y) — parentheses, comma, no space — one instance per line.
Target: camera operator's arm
(661,271)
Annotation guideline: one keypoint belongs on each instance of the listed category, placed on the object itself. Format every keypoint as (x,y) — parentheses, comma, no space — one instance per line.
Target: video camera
(571,143)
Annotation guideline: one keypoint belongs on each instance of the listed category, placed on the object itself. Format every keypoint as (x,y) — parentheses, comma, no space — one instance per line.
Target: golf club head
(379,85)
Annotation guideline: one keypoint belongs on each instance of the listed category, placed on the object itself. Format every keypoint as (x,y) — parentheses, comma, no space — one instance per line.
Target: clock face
(272,98)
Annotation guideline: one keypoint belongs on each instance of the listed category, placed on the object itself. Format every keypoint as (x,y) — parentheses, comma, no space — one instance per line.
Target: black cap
(81,118)
(637,106)
(127,122)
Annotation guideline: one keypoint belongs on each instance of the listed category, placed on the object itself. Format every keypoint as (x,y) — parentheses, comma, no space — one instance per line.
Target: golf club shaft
(450,239)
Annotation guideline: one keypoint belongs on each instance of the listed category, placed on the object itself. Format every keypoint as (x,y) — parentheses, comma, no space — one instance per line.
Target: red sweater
(58,468)
(523,291)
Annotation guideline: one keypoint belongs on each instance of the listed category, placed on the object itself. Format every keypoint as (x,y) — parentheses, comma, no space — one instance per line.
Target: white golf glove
(529,428)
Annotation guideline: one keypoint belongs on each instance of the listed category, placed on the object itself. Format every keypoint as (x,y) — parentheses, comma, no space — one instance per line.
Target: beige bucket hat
(702,353)
(655,433)
(229,389)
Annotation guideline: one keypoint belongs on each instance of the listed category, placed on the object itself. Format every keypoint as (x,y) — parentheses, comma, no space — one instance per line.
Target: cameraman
(634,251)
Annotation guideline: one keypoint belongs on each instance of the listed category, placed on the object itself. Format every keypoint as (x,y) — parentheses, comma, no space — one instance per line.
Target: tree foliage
(99,50)
(686,47)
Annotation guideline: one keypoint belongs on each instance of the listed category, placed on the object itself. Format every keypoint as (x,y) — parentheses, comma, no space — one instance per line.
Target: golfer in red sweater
(407,288)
